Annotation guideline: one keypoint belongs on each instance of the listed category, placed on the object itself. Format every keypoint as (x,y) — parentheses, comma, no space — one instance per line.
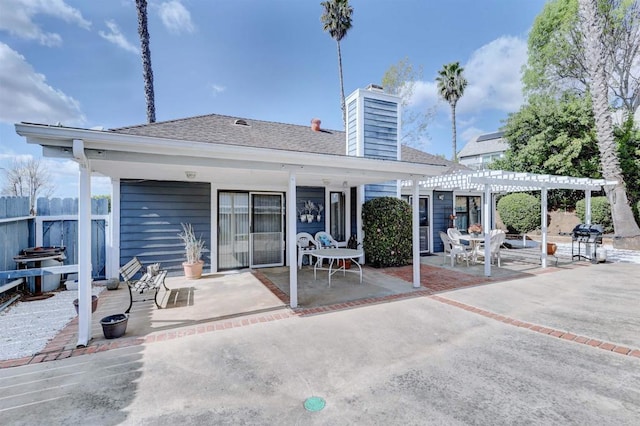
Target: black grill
(588,235)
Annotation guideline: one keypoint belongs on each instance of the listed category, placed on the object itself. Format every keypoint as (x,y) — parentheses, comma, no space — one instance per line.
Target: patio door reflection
(233,230)
(267,225)
(250,230)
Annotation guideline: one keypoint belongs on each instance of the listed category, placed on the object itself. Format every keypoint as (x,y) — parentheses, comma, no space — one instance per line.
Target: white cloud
(26,96)
(17,18)
(471,133)
(215,88)
(493,74)
(175,17)
(116,37)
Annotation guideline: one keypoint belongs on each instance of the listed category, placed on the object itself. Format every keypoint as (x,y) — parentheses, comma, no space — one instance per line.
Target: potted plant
(309,207)
(320,208)
(193,249)
(475,229)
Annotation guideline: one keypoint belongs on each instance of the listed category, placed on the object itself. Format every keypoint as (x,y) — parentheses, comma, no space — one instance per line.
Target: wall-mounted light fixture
(441,197)
(190,174)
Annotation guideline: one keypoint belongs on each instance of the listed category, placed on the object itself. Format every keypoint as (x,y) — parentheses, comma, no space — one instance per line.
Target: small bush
(600,212)
(520,212)
(386,222)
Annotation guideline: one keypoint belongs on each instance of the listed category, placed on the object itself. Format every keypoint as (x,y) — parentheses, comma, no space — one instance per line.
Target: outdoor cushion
(324,240)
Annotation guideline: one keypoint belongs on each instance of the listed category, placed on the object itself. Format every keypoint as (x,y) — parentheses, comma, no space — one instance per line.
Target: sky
(77,62)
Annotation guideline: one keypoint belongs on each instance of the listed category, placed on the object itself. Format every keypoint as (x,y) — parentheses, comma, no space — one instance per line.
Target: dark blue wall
(442,209)
(315,194)
(151,214)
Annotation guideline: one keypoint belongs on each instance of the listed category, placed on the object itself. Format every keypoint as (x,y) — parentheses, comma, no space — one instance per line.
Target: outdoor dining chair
(305,243)
(453,251)
(495,243)
(325,240)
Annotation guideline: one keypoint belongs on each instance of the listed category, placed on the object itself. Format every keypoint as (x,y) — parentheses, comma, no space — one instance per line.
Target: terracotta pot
(346,263)
(193,271)
(551,248)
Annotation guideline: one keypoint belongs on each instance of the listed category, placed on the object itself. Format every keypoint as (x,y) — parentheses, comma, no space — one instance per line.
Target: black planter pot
(114,326)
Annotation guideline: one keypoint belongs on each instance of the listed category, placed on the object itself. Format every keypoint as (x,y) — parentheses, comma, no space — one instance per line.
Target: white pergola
(499,181)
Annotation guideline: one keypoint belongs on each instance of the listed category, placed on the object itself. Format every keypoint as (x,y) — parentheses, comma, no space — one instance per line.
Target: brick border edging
(160,336)
(565,335)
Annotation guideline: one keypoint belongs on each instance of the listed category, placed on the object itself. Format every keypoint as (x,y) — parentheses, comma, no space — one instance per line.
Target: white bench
(146,282)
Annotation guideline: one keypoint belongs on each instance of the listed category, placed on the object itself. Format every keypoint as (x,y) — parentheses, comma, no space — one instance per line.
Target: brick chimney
(315,124)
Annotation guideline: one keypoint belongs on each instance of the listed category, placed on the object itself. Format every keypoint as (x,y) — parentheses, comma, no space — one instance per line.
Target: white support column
(416,233)
(543,226)
(587,217)
(358,230)
(486,227)
(84,245)
(113,255)
(587,207)
(292,251)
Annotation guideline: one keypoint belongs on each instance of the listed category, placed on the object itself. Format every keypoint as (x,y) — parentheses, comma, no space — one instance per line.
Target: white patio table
(474,242)
(333,254)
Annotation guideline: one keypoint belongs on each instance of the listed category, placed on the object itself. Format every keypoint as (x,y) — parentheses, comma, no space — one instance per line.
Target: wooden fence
(55,224)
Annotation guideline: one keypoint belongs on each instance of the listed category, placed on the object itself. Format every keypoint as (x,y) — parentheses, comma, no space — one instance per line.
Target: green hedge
(600,212)
(386,222)
(520,212)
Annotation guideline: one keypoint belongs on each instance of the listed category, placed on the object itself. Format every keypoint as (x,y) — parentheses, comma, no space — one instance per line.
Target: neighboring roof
(223,129)
(485,144)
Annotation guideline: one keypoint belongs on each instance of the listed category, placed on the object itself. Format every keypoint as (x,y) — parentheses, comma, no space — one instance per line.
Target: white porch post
(587,207)
(543,226)
(84,245)
(416,233)
(486,226)
(114,248)
(292,251)
(587,217)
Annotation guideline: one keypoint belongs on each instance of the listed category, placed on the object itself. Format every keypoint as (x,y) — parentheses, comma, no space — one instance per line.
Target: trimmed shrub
(520,212)
(386,222)
(600,212)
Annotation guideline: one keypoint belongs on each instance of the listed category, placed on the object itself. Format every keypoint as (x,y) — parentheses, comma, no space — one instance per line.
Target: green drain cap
(314,403)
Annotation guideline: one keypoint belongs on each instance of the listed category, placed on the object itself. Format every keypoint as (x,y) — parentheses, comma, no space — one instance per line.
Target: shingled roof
(223,129)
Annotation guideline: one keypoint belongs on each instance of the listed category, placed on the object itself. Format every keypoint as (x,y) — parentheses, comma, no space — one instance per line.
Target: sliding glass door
(267,226)
(250,230)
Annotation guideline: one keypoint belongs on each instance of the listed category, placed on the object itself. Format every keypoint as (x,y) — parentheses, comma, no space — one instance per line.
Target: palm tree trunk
(454,143)
(147,72)
(342,106)
(626,229)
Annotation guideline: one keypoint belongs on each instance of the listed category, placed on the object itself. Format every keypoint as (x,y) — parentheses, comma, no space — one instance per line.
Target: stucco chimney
(315,124)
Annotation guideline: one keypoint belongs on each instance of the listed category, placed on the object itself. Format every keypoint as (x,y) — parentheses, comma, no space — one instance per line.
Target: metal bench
(146,282)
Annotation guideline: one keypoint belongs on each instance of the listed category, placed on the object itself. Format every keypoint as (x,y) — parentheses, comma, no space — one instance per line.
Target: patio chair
(454,234)
(325,240)
(495,243)
(305,243)
(454,251)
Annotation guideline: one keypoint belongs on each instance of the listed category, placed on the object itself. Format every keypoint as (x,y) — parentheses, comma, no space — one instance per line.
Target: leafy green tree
(593,28)
(147,71)
(451,85)
(628,139)
(336,20)
(556,54)
(400,80)
(552,135)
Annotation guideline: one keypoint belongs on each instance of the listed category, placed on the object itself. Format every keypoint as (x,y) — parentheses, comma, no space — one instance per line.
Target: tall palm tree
(147,72)
(336,20)
(624,223)
(451,85)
